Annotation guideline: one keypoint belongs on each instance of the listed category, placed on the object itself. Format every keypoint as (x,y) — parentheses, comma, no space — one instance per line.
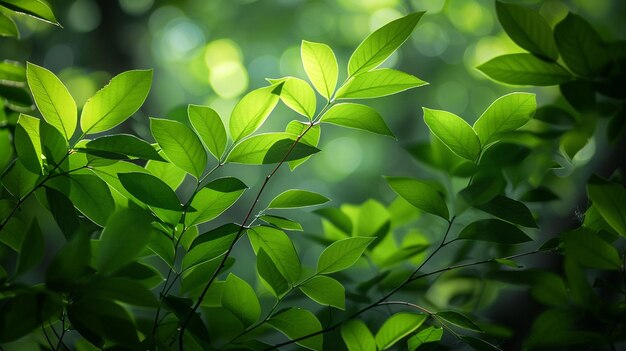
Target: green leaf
(8,27)
(122,144)
(150,190)
(53,144)
(210,245)
(479,344)
(180,144)
(124,237)
(63,212)
(325,291)
(117,101)
(610,200)
(510,210)
(342,254)
(269,274)
(209,126)
(28,143)
(506,114)
(299,96)
(70,264)
(88,193)
(270,148)
(524,69)
(35,8)
(421,195)
(281,222)
(320,66)
(251,111)
(337,217)
(18,180)
(279,248)
(215,198)
(357,336)
(296,323)
(379,45)
(239,298)
(459,320)
(309,135)
(377,83)
(431,335)
(11,71)
(494,230)
(120,289)
(581,46)
(357,116)
(167,172)
(590,250)
(53,99)
(397,327)
(454,132)
(32,249)
(183,311)
(295,198)
(528,29)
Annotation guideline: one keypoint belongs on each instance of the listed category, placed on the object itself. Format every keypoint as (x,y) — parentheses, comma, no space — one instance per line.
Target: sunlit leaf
(281,222)
(239,298)
(251,111)
(420,194)
(210,245)
(215,198)
(397,327)
(427,337)
(295,198)
(35,8)
(296,323)
(357,116)
(337,218)
(342,254)
(180,144)
(123,144)
(270,148)
(524,69)
(299,96)
(150,190)
(357,336)
(320,66)
(209,126)
(377,83)
(454,132)
(325,291)
(167,172)
(7,27)
(279,248)
(309,135)
(494,230)
(506,114)
(28,143)
(270,274)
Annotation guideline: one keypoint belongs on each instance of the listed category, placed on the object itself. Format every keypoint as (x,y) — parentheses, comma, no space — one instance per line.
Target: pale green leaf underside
(299,96)
(28,143)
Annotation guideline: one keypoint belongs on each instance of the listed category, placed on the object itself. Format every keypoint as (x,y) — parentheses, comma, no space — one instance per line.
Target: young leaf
(298,96)
(580,45)
(377,83)
(430,335)
(117,101)
(167,172)
(325,291)
(281,222)
(279,248)
(35,8)
(342,254)
(270,148)
(270,274)
(421,195)
(88,193)
(357,336)
(28,143)
(32,248)
(295,198)
(379,45)
(125,235)
(180,144)
(53,99)
(453,131)
(524,69)
(150,190)
(311,137)
(209,126)
(528,29)
(506,114)
(494,230)
(296,323)
(251,111)
(123,144)
(357,116)
(320,66)
(215,198)
(510,210)
(459,320)
(610,200)
(239,298)
(7,27)
(397,327)
(210,245)
(590,250)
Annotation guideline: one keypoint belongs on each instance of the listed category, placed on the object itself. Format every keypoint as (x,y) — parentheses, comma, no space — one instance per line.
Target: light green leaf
(270,148)
(35,8)
(320,66)
(357,116)
(252,110)
(209,126)
(610,200)
(122,144)
(427,336)
(210,245)
(53,144)
(528,29)
(126,234)
(459,320)
(299,96)
(239,298)
(295,198)
(337,217)
(150,190)
(325,291)
(167,172)
(357,336)
(510,210)
(215,198)
(506,114)
(281,222)
(180,144)
(279,248)
(53,99)
(28,143)
(494,230)
(11,71)
(379,45)
(453,131)
(590,250)
(8,27)
(581,46)
(524,69)
(269,273)
(377,83)
(397,327)
(342,254)
(117,101)
(296,323)
(421,195)
(311,137)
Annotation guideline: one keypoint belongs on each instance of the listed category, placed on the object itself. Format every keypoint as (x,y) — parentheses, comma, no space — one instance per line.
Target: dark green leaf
(479,344)
(494,230)
(510,210)
(122,290)
(21,313)
(69,264)
(610,200)
(150,190)
(580,45)
(239,298)
(210,245)
(215,198)
(269,273)
(421,195)
(459,320)
(7,27)
(524,69)
(426,339)
(123,144)
(590,250)
(18,180)
(32,249)
(325,291)
(281,222)
(182,310)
